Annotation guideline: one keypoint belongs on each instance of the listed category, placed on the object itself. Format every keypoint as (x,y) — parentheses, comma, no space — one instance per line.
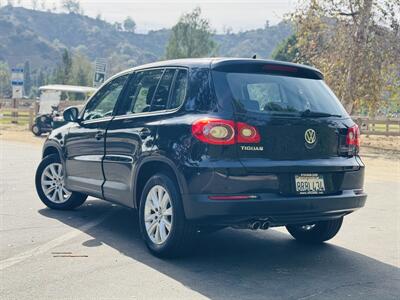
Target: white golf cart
(50,101)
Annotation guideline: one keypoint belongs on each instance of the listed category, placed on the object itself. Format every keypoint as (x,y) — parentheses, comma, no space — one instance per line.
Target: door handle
(99,135)
(144,133)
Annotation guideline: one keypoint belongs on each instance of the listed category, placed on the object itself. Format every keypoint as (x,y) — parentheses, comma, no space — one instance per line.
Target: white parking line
(8,262)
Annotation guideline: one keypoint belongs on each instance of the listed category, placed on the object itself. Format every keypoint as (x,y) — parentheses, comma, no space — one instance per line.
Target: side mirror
(71,114)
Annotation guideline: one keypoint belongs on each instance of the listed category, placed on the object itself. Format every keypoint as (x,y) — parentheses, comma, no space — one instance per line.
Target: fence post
(14,112)
(31,116)
(36,107)
(387,126)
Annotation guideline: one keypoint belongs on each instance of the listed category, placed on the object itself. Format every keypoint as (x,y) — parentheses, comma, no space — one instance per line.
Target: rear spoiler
(267,67)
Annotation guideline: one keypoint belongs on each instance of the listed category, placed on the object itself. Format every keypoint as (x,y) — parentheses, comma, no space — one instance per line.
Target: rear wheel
(163,225)
(317,232)
(36,130)
(50,186)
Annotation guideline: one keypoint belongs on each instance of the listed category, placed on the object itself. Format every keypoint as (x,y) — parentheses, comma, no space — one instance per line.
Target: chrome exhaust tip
(255,225)
(265,226)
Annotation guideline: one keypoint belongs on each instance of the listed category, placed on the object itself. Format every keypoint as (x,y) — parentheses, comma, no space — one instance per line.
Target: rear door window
(141,90)
(179,90)
(161,95)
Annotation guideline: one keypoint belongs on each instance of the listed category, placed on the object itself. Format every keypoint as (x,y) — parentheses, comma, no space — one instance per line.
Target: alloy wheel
(52,181)
(158,215)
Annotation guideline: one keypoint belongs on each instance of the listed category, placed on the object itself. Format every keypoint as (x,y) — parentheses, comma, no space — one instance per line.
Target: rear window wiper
(280,113)
(317,114)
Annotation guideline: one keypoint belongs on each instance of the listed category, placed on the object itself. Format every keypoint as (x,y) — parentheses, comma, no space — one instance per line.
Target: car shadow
(243,264)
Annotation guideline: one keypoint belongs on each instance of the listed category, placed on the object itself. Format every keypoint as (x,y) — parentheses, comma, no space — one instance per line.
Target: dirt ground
(100,240)
(370,145)
(381,145)
(17,133)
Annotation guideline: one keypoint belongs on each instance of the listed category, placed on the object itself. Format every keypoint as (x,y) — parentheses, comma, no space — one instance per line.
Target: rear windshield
(277,94)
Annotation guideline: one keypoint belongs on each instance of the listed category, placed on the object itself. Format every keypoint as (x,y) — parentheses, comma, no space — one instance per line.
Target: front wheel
(317,232)
(50,187)
(163,225)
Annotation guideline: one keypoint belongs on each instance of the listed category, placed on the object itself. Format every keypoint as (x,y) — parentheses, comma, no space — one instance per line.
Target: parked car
(202,144)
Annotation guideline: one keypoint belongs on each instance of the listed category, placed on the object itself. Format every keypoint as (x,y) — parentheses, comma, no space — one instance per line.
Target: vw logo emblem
(310,136)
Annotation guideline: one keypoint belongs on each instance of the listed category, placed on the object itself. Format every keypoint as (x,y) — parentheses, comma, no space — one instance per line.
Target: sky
(151,15)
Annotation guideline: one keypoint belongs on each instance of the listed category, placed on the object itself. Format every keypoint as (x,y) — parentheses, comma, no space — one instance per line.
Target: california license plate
(309,184)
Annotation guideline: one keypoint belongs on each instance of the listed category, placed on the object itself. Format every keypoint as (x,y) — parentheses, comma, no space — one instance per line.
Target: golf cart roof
(68,88)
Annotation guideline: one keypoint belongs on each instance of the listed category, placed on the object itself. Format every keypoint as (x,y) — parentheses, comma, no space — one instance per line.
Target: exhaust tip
(255,225)
(264,226)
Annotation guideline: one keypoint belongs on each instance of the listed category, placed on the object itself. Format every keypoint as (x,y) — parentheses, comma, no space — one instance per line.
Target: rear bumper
(277,209)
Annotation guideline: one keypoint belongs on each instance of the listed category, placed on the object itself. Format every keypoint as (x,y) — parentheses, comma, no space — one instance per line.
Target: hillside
(40,36)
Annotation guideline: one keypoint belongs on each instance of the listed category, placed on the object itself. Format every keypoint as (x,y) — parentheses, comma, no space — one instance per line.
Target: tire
(47,187)
(176,240)
(36,130)
(319,232)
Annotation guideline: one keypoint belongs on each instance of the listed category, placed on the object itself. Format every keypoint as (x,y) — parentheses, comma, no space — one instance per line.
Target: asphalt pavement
(96,252)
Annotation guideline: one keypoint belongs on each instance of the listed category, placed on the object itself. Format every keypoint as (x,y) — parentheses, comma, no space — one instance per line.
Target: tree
(40,78)
(63,72)
(5,80)
(75,68)
(129,24)
(354,42)
(191,37)
(82,70)
(72,6)
(118,26)
(287,50)
(27,78)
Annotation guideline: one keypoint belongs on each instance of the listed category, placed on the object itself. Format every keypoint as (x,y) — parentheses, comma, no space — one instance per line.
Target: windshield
(277,94)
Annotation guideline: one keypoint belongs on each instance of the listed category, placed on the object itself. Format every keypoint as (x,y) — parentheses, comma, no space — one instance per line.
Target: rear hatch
(297,128)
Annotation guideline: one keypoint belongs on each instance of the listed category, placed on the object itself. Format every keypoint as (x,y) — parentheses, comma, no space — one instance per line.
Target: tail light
(353,140)
(247,134)
(214,131)
(224,132)
(353,136)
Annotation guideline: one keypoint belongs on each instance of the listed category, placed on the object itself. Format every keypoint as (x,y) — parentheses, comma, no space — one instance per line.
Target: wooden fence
(26,111)
(378,126)
(18,116)
(368,126)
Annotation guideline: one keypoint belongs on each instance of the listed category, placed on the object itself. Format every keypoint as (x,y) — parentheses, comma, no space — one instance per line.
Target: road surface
(95,252)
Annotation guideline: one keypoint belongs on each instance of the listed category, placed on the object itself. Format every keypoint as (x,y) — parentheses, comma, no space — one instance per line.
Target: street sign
(17,82)
(100,71)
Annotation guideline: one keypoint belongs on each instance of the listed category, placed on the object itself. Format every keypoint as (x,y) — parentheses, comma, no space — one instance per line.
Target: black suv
(201,144)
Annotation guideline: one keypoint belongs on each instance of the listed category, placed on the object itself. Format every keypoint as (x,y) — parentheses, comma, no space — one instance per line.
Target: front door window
(103,103)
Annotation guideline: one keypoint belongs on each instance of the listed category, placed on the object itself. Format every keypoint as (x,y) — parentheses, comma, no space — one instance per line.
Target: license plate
(309,184)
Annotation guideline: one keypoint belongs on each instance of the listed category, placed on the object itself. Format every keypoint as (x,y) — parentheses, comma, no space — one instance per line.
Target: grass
(7,113)
(7,120)
(6,117)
